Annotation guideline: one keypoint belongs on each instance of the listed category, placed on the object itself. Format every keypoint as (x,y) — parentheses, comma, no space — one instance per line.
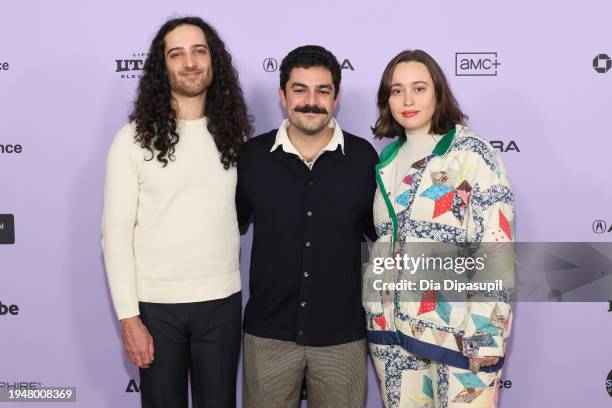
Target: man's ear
(283,97)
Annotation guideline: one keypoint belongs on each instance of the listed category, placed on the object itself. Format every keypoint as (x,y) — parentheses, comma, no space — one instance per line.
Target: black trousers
(200,340)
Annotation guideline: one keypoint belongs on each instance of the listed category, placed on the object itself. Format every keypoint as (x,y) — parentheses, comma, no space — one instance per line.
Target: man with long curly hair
(170,234)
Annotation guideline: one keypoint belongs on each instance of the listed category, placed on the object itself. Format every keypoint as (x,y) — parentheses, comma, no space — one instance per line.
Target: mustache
(310,109)
(190,70)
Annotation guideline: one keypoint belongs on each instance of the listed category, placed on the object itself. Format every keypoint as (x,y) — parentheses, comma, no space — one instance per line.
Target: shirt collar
(282,139)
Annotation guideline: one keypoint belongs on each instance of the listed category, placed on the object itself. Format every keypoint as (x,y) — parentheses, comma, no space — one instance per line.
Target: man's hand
(477,363)
(137,342)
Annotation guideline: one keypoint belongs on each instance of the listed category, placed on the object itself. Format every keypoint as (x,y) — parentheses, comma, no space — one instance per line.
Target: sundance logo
(11,148)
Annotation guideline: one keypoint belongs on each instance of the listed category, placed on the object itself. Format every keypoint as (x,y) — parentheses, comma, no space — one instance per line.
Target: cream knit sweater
(169,234)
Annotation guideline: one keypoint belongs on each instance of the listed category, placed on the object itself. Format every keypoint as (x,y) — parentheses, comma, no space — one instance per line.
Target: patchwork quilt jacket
(457,195)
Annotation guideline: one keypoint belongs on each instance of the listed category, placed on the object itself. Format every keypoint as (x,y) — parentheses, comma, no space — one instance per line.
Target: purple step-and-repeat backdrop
(534,77)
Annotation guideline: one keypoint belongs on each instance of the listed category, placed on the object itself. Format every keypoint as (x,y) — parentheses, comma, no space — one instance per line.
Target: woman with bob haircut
(439,184)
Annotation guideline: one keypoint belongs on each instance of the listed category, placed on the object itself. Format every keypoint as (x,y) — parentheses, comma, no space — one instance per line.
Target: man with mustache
(169,197)
(309,188)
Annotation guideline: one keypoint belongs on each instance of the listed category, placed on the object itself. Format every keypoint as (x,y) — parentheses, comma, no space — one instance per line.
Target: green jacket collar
(441,148)
(444,144)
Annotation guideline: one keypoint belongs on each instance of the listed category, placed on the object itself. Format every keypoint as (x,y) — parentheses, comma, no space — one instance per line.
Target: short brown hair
(447,113)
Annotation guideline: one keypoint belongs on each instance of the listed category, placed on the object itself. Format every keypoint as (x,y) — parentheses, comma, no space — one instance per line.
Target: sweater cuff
(127,311)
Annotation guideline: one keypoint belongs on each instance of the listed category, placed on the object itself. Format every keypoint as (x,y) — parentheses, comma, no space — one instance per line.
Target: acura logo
(599,226)
(270,65)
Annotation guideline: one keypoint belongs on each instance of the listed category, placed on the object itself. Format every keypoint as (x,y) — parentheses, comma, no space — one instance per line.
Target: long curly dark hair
(228,120)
